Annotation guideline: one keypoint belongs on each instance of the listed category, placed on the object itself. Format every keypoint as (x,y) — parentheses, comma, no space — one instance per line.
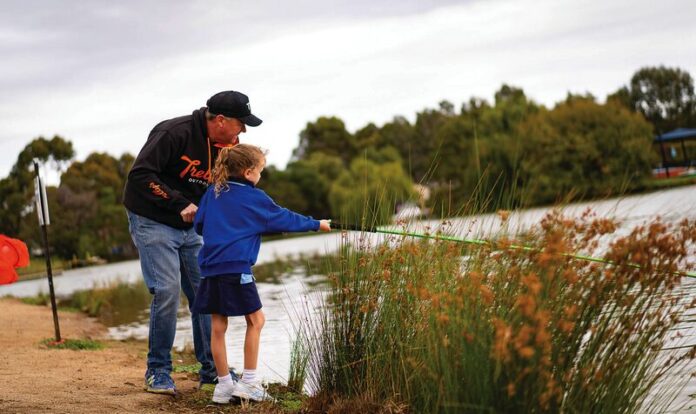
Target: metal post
(664,157)
(42,207)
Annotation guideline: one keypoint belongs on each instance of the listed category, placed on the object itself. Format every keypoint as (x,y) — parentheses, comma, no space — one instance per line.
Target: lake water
(283,301)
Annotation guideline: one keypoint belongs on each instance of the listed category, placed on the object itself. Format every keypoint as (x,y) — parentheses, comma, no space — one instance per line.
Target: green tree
(511,107)
(304,185)
(665,96)
(17,189)
(312,187)
(327,135)
(329,167)
(87,217)
(400,134)
(369,191)
(584,147)
(97,172)
(278,185)
(424,149)
(368,136)
(456,173)
(477,166)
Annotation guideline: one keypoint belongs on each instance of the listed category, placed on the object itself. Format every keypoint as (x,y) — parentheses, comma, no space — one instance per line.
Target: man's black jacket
(171,170)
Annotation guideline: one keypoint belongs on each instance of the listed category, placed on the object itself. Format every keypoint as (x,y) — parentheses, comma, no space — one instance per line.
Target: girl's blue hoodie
(232,225)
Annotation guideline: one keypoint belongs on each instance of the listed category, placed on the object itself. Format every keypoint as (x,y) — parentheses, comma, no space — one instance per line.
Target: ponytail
(232,162)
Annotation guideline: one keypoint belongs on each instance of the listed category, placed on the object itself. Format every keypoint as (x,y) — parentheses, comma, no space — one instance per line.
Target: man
(162,192)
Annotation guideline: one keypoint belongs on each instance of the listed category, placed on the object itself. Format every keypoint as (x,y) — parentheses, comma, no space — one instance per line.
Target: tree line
(512,152)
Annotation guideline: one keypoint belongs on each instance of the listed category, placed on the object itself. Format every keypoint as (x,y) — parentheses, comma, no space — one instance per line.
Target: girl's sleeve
(200,214)
(280,219)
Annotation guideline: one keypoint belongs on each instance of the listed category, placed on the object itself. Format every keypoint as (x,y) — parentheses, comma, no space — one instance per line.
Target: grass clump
(439,327)
(42,299)
(299,358)
(187,368)
(74,344)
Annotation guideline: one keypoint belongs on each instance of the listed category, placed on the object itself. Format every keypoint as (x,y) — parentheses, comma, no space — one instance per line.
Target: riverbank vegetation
(37,268)
(511,149)
(113,304)
(438,327)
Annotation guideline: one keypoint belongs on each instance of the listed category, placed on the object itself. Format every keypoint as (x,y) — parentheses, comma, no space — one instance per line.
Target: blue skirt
(231,294)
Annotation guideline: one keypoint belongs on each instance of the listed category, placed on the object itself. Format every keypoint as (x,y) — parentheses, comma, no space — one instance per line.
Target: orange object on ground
(13,254)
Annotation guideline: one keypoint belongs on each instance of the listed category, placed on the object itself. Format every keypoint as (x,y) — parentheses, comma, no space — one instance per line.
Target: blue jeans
(169,261)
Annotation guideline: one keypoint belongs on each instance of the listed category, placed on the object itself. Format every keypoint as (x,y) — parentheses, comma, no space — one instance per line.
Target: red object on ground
(13,254)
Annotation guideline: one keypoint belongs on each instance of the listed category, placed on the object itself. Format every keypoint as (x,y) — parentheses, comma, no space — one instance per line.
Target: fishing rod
(481,242)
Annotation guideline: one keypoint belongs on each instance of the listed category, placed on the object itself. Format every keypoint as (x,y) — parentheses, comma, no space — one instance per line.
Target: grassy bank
(667,183)
(37,268)
(113,304)
(441,327)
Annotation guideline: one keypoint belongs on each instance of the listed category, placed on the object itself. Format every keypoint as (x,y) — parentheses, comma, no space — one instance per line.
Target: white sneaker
(223,392)
(253,392)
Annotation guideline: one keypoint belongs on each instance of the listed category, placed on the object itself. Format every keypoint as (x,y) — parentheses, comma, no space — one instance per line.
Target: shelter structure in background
(13,254)
(677,151)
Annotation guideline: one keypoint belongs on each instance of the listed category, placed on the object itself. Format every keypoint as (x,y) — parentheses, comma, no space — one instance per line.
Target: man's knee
(167,294)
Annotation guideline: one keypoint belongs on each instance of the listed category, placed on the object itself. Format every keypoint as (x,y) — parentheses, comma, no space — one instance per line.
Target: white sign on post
(41,201)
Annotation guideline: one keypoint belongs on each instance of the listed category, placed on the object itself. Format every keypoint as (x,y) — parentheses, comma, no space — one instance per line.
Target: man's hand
(324,225)
(189,213)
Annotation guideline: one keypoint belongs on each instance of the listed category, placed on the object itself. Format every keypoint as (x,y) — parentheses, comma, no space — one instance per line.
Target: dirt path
(36,379)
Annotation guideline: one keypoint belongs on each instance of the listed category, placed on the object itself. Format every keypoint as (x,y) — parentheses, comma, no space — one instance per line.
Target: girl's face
(254,174)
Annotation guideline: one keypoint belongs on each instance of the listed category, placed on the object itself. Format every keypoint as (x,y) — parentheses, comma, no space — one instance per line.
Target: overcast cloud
(102,73)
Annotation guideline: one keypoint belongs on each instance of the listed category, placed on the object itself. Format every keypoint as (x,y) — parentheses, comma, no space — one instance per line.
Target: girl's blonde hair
(232,162)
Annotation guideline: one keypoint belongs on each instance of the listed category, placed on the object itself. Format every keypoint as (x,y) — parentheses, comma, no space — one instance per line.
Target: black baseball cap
(233,104)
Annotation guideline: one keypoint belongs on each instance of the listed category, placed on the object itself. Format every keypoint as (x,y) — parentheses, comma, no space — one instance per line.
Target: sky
(102,73)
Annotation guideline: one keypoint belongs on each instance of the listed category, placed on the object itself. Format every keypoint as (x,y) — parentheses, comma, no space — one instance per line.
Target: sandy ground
(34,379)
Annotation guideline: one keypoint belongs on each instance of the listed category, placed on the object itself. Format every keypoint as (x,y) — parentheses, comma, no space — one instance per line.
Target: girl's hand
(324,225)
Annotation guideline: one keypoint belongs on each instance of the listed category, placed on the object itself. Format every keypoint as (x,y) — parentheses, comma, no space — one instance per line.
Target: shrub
(438,326)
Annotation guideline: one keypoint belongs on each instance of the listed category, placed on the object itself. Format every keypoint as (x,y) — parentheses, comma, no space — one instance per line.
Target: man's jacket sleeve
(144,176)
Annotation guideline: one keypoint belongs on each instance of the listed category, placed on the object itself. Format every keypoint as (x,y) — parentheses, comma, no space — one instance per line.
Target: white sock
(227,379)
(249,376)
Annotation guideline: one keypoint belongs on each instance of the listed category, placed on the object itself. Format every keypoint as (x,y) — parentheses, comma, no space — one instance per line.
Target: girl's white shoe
(251,391)
(224,392)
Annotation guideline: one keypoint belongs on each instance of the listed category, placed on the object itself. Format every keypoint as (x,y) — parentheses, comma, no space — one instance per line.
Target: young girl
(231,217)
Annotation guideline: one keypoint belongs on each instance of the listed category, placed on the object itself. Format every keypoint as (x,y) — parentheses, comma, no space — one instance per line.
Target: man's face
(226,130)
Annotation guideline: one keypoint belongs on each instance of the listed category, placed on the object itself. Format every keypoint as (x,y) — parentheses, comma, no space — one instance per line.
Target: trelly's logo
(192,171)
(158,191)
